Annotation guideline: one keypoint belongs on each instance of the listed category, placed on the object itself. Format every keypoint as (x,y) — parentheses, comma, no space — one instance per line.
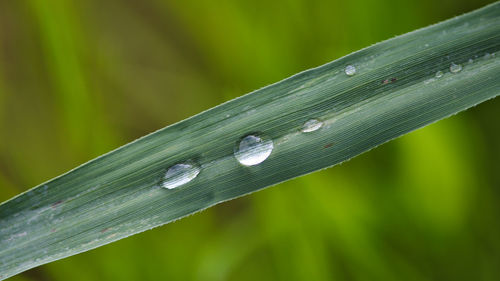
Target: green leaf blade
(393,92)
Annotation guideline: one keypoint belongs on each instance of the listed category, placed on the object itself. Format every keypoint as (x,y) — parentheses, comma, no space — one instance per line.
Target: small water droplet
(455,68)
(487,55)
(439,74)
(426,45)
(350,70)
(311,126)
(470,61)
(253,150)
(180,174)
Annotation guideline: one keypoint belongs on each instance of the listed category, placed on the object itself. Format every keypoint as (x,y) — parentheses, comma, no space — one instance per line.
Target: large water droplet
(180,174)
(311,125)
(439,74)
(350,70)
(455,68)
(253,150)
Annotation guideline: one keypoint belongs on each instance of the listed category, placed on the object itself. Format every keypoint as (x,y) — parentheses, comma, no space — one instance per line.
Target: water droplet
(253,150)
(311,126)
(180,174)
(439,74)
(455,68)
(350,70)
(470,61)
(487,55)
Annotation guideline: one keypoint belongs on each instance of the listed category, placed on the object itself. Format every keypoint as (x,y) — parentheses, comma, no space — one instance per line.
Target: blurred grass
(78,78)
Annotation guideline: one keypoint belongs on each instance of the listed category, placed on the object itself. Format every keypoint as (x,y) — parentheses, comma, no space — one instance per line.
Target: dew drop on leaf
(350,70)
(253,150)
(311,125)
(180,174)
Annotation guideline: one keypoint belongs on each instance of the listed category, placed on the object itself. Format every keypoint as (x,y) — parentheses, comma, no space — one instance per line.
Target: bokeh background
(79,78)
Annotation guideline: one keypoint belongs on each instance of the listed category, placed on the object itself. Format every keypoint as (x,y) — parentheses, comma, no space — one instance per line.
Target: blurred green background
(79,78)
